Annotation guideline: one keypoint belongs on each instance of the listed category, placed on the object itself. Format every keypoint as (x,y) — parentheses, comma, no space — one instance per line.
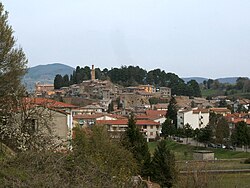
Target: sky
(207,38)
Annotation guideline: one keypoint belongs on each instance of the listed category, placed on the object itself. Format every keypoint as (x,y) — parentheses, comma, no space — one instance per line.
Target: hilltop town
(128,126)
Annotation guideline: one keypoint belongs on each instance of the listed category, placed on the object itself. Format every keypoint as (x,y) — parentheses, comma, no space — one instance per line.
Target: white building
(197,118)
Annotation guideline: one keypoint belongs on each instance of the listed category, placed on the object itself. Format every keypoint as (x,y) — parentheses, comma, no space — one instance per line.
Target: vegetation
(95,161)
(241,134)
(168,128)
(134,141)
(16,113)
(132,76)
(214,88)
(185,152)
(163,166)
(172,111)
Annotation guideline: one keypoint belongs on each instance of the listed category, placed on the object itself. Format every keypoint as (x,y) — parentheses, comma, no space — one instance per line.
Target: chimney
(93,73)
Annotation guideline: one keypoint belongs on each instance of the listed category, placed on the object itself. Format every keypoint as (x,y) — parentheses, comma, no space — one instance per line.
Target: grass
(185,152)
(213,165)
(214,180)
(226,160)
(211,92)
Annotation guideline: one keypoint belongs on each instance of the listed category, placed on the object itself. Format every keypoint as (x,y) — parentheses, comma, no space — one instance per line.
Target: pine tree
(134,141)
(163,166)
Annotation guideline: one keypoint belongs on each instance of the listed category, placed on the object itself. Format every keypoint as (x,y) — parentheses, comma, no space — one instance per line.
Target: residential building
(196,118)
(222,111)
(116,127)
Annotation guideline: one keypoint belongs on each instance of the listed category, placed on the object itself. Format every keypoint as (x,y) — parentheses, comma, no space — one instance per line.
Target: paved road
(193,142)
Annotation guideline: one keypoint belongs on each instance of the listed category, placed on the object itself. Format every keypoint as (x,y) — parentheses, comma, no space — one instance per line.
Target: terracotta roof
(237,115)
(47,102)
(220,110)
(158,113)
(197,111)
(87,116)
(237,120)
(125,122)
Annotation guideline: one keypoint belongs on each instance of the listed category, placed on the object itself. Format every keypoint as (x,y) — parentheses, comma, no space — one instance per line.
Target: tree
(58,81)
(241,134)
(222,130)
(66,80)
(188,131)
(12,66)
(168,128)
(209,83)
(172,111)
(219,126)
(94,161)
(111,107)
(205,135)
(134,141)
(194,88)
(163,166)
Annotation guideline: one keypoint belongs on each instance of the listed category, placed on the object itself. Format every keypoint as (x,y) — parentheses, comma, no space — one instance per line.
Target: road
(193,142)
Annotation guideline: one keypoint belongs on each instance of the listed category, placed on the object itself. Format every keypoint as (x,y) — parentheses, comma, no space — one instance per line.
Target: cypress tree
(172,111)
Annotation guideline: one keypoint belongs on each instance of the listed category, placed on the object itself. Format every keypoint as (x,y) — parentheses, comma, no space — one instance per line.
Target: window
(151,126)
(144,126)
(151,133)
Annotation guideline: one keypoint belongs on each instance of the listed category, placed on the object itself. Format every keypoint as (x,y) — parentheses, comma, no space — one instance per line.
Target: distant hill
(45,74)
(230,80)
(197,79)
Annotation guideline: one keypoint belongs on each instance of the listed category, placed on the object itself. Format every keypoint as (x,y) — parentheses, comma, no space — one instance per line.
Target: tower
(93,73)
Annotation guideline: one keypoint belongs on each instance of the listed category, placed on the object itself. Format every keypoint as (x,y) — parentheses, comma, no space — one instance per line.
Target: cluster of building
(100,94)
(66,116)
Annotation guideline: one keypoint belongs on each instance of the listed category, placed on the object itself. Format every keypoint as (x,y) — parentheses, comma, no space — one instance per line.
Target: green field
(197,175)
(211,92)
(185,152)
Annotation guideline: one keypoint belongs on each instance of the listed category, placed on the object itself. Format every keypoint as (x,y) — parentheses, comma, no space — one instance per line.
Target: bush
(247,161)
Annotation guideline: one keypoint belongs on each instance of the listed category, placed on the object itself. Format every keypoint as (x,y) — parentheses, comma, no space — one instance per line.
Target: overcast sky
(208,38)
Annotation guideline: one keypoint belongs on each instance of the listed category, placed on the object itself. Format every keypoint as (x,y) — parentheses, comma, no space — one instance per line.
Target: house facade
(197,118)
(149,128)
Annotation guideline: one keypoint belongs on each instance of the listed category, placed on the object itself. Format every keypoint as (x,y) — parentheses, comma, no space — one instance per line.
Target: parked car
(211,145)
(221,146)
(230,147)
(179,140)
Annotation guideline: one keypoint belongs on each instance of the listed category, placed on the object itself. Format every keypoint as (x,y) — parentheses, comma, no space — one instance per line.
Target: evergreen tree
(241,134)
(168,128)
(205,134)
(134,141)
(172,111)
(58,81)
(194,88)
(111,107)
(66,80)
(163,166)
